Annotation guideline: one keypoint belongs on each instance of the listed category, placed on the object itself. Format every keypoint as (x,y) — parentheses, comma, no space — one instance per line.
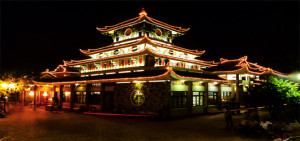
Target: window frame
(178,99)
(199,98)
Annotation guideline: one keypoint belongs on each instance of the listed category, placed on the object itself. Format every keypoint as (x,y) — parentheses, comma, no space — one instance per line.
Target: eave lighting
(139,81)
(96,74)
(124,71)
(109,73)
(157,81)
(123,82)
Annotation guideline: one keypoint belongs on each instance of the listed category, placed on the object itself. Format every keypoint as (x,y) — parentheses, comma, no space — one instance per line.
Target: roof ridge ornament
(143,12)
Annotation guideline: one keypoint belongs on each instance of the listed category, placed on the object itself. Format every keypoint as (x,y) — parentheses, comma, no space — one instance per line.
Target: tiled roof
(111,76)
(140,40)
(241,66)
(142,16)
(198,75)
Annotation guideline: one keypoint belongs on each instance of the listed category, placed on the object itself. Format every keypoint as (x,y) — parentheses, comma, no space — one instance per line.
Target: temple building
(143,72)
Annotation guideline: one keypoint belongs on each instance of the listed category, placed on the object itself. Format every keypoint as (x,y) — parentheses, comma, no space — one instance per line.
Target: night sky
(40,35)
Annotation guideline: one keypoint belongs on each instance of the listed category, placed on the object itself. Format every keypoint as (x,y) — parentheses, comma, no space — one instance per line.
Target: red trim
(112,114)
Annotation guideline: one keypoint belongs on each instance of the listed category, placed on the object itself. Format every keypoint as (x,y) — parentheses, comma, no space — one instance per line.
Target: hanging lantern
(31,93)
(45,94)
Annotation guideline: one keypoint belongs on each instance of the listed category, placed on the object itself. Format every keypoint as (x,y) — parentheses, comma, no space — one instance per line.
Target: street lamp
(11,86)
(4,86)
(33,93)
(8,87)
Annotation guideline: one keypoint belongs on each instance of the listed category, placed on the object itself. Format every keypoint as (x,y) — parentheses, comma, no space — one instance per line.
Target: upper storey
(138,26)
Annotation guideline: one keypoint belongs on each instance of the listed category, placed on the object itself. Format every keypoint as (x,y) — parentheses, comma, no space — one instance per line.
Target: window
(212,98)
(116,52)
(197,99)
(96,85)
(178,99)
(134,48)
(243,77)
(95,98)
(226,96)
(80,97)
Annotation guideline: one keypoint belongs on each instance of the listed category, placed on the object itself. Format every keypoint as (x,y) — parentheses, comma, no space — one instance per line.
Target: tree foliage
(274,94)
(286,89)
(20,81)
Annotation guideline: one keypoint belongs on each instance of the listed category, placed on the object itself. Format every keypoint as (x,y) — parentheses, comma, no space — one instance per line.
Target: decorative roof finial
(143,12)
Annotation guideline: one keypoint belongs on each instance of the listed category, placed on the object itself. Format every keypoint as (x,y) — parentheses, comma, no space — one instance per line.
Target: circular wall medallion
(128,32)
(158,32)
(137,98)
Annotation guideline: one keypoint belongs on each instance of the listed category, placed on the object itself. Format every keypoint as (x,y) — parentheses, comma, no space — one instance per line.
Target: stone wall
(156,98)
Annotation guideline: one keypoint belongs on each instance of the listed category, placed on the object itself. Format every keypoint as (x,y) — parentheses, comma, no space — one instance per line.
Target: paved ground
(46,126)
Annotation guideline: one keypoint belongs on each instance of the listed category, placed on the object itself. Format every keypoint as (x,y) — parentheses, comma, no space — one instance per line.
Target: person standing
(228,118)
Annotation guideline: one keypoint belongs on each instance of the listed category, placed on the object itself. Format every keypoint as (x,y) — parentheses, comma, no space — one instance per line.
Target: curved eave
(74,62)
(176,76)
(67,72)
(146,50)
(165,75)
(179,59)
(272,72)
(144,39)
(139,19)
(48,73)
(246,70)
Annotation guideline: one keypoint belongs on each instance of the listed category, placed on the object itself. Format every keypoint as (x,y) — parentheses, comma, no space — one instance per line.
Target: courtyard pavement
(41,125)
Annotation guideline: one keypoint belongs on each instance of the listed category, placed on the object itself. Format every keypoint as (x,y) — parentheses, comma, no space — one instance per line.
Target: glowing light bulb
(11,85)
(4,85)
(45,94)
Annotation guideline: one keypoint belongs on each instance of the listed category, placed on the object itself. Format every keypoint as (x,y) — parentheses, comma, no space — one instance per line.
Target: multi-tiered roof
(142,49)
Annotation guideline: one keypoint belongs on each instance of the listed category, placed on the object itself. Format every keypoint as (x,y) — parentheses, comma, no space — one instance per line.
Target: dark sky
(40,35)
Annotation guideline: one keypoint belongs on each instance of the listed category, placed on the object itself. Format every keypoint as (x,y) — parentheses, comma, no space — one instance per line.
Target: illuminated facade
(142,72)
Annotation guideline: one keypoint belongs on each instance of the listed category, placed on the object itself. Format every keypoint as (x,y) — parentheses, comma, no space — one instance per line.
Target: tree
(12,84)
(274,95)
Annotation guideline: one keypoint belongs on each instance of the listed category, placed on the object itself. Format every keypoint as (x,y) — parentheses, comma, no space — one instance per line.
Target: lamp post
(4,98)
(34,98)
(33,93)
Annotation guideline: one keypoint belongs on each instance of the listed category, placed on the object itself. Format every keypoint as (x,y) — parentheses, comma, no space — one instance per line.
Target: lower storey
(163,98)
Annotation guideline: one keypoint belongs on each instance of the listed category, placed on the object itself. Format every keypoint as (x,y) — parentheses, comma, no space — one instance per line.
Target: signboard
(137,98)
